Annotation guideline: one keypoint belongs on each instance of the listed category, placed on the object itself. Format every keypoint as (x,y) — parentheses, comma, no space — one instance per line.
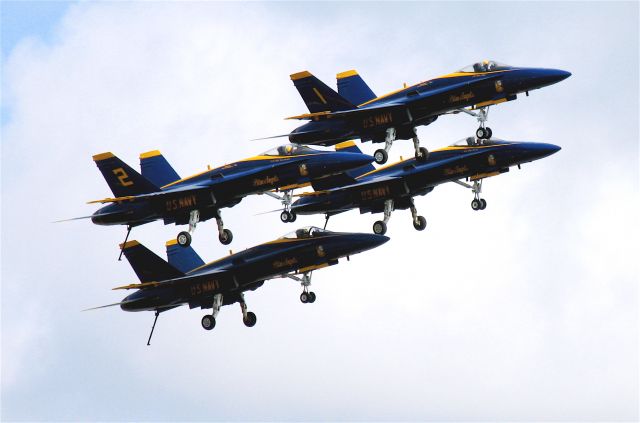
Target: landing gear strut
(184,237)
(248,317)
(125,241)
(483,132)
(382,155)
(477,203)
(287,214)
(153,327)
(224,235)
(209,320)
(380,226)
(306,296)
(419,222)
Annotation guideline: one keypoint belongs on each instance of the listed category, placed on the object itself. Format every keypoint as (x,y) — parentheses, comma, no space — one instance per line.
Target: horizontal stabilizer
(147,265)
(185,259)
(317,95)
(157,169)
(352,87)
(351,147)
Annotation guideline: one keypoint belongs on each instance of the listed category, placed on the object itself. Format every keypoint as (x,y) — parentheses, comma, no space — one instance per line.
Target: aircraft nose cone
(550,76)
(536,151)
(364,242)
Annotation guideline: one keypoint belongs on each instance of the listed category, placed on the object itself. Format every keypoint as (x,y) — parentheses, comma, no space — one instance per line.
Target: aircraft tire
(284,216)
(292,216)
(424,155)
(481,133)
(208,322)
(476,204)
(421,224)
(380,156)
(304,298)
(489,132)
(312,297)
(483,204)
(379,227)
(184,239)
(226,237)
(251,319)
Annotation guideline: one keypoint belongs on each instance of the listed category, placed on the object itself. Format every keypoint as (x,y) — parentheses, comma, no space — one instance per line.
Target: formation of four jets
(342,180)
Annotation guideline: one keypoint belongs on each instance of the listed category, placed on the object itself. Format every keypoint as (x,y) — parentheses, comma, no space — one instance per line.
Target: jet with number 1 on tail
(356,112)
(186,279)
(160,194)
(394,187)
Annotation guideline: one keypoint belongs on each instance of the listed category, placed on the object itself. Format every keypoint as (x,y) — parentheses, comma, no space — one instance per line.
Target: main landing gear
(477,203)
(382,155)
(287,214)
(380,226)
(224,235)
(306,296)
(483,132)
(209,320)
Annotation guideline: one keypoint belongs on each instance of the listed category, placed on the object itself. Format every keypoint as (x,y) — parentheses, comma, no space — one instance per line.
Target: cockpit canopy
(469,141)
(485,66)
(306,232)
(289,150)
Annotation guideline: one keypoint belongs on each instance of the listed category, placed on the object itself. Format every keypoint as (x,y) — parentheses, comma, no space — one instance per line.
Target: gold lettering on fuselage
(267,180)
(377,120)
(204,287)
(461,97)
(188,201)
(288,262)
(375,193)
(455,170)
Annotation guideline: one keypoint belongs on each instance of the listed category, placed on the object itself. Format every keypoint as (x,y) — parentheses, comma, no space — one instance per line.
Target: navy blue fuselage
(403,180)
(476,86)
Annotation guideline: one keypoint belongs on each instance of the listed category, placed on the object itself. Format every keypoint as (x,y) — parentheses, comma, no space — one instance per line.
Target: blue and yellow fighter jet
(185,279)
(159,193)
(355,111)
(394,187)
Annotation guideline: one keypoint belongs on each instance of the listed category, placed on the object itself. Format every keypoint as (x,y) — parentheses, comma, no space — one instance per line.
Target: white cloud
(527,310)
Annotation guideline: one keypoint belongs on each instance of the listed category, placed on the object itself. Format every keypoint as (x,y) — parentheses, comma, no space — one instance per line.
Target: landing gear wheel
(424,155)
(184,239)
(208,322)
(304,297)
(483,204)
(481,133)
(250,320)
(312,297)
(421,224)
(476,204)
(292,216)
(284,216)
(379,228)
(226,237)
(488,132)
(380,156)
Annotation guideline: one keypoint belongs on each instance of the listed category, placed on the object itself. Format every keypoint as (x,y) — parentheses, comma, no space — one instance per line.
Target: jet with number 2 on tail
(186,279)
(394,187)
(159,193)
(356,112)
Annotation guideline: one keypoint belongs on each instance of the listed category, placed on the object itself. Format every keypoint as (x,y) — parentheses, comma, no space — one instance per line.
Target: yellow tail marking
(129,244)
(346,74)
(171,242)
(148,154)
(300,75)
(345,144)
(102,156)
(315,90)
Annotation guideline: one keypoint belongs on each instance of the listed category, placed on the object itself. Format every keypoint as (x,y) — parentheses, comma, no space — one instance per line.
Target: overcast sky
(527,310)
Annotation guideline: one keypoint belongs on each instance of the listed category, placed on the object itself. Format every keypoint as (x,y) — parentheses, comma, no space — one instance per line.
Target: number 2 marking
(122,177)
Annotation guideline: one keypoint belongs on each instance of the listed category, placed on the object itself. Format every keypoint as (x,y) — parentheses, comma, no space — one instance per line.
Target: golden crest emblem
(320,251)
(499,88)
(491,160)
(303,170)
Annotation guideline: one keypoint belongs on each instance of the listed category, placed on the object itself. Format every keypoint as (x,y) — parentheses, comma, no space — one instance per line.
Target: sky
(527,310)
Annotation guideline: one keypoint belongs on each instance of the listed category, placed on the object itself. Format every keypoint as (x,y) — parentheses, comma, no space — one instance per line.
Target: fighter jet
(356,112)
(185,279)
(394,187)
(159,193)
